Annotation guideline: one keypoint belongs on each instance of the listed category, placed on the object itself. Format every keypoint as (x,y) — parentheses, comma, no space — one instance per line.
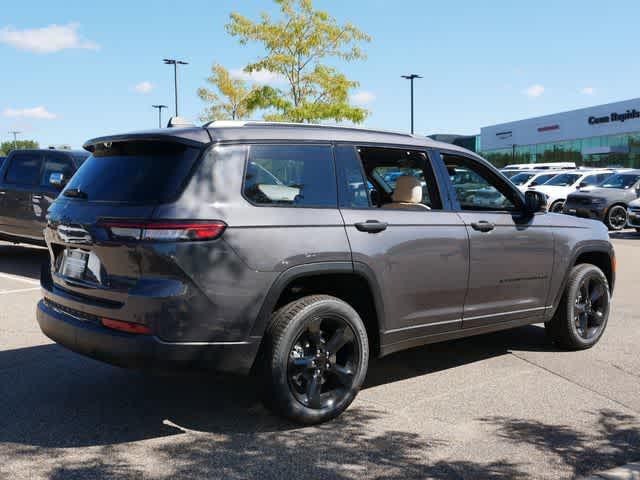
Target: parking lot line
(18,278)
(19,290)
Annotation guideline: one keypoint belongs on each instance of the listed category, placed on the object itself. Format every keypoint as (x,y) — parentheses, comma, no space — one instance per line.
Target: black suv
(297,251)
(30,180)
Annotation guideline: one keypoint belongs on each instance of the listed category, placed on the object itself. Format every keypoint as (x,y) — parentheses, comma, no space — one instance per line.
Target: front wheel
(316,358)
(583,312)
(616,217)
(557,206)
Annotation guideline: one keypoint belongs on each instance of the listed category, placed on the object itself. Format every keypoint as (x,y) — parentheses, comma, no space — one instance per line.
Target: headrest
(408,190)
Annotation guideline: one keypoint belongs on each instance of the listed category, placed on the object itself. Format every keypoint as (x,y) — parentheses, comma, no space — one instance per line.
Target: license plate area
(73,263)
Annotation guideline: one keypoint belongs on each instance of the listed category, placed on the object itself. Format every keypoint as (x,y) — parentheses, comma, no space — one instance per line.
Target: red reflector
(128,327)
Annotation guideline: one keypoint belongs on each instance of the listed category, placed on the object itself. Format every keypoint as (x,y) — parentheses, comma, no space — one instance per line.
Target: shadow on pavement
(22,260)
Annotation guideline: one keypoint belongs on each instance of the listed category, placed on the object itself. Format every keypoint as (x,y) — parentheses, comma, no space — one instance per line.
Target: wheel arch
(353,283)
(600,254)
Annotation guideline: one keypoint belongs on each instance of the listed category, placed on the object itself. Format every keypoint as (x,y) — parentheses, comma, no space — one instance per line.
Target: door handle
(371,226)
(483,226)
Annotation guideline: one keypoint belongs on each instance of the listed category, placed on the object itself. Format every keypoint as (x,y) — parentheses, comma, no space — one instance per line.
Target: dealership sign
(615,117)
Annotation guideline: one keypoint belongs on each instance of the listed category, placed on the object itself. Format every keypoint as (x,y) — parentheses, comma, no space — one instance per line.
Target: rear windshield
(134,172)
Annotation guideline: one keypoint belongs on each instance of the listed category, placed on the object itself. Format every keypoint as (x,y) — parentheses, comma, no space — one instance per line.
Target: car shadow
(22,260)
(625,235)
(56,398)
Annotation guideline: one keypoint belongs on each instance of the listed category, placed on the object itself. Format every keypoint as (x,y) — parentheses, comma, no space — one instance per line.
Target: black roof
(41,150)
(229,131)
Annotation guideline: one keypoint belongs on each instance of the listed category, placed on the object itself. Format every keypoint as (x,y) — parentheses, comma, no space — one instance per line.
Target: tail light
(164,230)
(129,327)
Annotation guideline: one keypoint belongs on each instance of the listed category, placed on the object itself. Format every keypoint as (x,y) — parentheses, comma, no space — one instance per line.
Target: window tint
(353,189)
(591,180)
(135,172)
(55,164)
(521,178)
(621,180)
(564,180)
(293,175)
(542,179)
(24,169)
(476,188)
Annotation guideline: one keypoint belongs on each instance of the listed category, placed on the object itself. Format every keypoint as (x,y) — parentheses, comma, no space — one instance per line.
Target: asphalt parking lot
(505,405)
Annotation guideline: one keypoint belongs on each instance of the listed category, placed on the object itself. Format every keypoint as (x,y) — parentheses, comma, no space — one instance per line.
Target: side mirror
(582,184)
(57,180)
(535,201)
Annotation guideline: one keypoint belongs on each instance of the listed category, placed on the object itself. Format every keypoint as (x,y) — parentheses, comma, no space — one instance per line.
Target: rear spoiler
(193,137)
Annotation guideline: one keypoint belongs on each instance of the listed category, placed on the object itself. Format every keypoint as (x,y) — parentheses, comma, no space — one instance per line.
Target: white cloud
(50,39)
(363,97)
(534,90)
(144,87)
(263,77)
(39,113)
(588,91)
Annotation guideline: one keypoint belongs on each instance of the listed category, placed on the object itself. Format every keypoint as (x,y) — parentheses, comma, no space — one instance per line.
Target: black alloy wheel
(617,217)
(591,306)
(557,207)
(323,362)
(315,358)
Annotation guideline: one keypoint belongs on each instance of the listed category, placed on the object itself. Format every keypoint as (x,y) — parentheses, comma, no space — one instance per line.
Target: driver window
(475,188)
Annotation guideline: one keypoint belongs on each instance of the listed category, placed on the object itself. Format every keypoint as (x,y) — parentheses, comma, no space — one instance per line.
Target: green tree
(6,147)
(297,45)
(229,101)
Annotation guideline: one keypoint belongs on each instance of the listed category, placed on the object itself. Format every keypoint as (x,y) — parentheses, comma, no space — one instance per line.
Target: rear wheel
(557,206)
(316,357)
(616,217)
(583,312)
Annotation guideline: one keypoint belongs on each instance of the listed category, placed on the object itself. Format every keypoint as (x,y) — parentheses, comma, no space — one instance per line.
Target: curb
(630,471)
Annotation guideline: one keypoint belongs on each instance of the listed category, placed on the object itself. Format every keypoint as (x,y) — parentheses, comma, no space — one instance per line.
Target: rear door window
(135,172)
(290,175)
(24,169)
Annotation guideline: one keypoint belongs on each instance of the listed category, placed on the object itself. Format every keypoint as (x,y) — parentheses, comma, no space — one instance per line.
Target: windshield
(564,180)
(620,180)
(133,172)
(542,179)
(522,178)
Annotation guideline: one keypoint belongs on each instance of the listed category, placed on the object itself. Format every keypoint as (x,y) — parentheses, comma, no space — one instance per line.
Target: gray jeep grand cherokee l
(281,250)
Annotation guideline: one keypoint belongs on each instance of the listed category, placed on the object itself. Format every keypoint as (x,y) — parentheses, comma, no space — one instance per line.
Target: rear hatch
(99,229)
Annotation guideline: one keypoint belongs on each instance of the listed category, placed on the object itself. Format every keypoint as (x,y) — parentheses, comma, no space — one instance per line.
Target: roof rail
(249,123)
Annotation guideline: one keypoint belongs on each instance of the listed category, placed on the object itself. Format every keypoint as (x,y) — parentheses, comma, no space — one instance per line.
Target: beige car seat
(407,195)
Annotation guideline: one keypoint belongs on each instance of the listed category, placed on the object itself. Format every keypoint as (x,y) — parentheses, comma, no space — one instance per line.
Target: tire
(616,218)
(308,378)
(557,206)
(577,331)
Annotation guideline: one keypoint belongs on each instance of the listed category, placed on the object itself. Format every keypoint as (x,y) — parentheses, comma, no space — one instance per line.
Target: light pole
(15,138)
(159,107)
(175,63)
(411,78)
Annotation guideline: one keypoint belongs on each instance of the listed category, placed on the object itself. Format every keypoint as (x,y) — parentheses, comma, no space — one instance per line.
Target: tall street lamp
(411,78)
(175,63)
(15,138)
(159,107)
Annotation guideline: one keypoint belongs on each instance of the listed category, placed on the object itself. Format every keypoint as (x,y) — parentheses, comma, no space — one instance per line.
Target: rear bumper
(142,351)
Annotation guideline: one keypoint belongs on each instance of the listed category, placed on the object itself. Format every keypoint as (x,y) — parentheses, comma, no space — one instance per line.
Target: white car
(524,180)
(559,187)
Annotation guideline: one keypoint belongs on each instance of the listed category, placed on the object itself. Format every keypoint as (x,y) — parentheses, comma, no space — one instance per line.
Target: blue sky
(482,62)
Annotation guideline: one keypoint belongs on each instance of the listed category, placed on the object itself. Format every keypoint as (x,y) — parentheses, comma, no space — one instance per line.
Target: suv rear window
(135,172)
(24,169)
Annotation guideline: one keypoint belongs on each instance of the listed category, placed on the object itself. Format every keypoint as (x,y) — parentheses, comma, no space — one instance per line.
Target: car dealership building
(600,136)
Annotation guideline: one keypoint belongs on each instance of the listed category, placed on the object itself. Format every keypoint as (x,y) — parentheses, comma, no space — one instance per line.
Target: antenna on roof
(175,122)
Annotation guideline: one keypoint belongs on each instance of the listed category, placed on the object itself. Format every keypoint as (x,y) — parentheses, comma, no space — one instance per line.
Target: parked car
(559,187)
(166,252)
(524,180)
(29,182)
(515,168)
(633,213)
(607,202)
